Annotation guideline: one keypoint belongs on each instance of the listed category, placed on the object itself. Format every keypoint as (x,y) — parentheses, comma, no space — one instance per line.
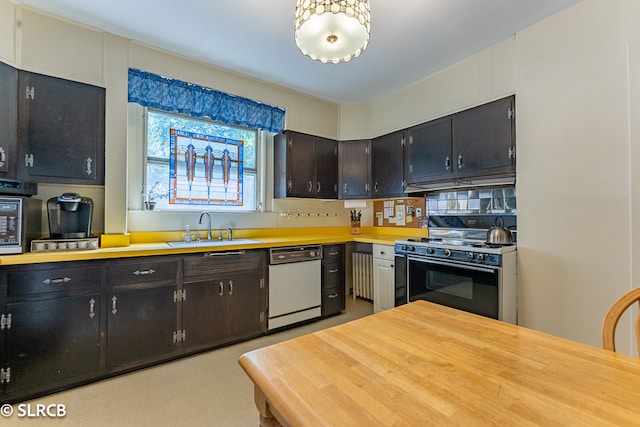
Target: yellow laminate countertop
(147,244)
(426,364)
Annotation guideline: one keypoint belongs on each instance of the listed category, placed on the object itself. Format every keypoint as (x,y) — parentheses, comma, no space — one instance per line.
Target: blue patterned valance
(171,95)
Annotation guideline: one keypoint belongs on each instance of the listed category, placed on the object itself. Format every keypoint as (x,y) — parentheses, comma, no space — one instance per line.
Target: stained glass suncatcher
(205,169)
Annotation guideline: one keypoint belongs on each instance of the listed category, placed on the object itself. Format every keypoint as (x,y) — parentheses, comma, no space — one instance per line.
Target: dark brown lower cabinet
(141,325)
(203,313)
(52,342)
(224,298)
(68,323)
(333,289)
(50,325)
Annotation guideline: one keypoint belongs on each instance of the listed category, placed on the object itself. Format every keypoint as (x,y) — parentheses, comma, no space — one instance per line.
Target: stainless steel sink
(207,243)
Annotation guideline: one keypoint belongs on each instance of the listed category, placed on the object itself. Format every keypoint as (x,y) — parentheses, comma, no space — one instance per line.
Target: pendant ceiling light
(332,30)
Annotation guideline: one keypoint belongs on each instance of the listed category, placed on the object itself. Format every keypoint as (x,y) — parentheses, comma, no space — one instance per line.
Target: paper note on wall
(400,220)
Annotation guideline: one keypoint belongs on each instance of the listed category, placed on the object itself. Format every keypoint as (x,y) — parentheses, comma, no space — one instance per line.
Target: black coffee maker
(70,216)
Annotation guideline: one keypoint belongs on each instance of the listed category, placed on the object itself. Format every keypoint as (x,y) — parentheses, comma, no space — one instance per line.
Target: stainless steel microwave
(20,223)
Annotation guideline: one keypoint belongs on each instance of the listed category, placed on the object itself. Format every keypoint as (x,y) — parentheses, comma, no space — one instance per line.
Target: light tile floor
(207,389)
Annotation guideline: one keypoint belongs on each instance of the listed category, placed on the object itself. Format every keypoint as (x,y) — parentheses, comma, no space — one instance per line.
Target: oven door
(472,288)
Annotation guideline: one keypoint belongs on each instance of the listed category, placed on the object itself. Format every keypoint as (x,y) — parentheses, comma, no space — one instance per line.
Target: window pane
(158,179)
(158,125)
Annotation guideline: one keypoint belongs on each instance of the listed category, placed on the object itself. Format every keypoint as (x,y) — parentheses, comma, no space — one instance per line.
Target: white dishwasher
(294,285)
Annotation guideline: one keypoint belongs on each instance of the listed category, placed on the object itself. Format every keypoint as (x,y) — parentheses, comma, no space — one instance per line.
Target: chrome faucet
(209,224)
(229,234)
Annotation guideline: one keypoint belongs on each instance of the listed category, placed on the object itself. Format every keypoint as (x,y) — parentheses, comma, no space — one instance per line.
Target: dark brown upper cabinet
(61,130)
(479,142)
(305,166)
(8,120)
(387,164)
(484,138)
(429,151)
(355,169)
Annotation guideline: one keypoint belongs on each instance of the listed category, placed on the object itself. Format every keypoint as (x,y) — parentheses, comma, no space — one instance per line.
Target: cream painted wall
(577,196)
(574,168)
(39,42)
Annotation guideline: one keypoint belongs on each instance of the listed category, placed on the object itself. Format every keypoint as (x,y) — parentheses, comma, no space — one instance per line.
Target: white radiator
(362,275)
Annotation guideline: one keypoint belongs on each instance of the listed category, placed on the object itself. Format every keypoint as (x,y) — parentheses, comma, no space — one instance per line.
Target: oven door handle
(454,264)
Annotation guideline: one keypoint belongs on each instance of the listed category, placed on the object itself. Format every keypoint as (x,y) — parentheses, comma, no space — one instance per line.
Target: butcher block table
(425,364)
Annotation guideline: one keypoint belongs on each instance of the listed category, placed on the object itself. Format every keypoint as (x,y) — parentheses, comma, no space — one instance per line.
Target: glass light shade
(332,30)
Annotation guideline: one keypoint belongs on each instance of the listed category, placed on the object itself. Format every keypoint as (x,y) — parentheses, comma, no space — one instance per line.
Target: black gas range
(455,266)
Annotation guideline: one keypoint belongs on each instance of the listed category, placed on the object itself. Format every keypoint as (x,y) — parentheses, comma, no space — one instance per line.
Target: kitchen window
(198,163)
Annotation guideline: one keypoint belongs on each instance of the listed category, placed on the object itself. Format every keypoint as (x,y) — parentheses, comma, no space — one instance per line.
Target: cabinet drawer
(221,263)
(332,301)
(333,253)
(383,251)
(332,275)
(32,281)
(142,270)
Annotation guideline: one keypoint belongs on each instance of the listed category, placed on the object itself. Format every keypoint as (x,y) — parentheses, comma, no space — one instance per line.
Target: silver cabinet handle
(222,254)
(333,296)
(447,163)
(114,305)
(318,187)
(310,189)
(56,281)
(148,272)
(230,287)
(459,161)
(92,304)
(89,161)
(221,293)
(334,270)
(346,188)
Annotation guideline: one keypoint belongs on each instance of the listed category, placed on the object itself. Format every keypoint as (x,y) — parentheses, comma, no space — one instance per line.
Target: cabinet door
(429,151)
(52,342)
(326,168)
(383,285)
(483,137)
(387,162)
(355,169)
(245,310)
(141,324)
(301,166)
(203,313)
(61,130)
(8,120)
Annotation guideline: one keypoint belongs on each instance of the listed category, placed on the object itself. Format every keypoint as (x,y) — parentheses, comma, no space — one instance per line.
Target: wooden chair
(613,316)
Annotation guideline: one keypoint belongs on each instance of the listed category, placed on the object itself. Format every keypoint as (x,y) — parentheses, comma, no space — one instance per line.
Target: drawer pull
(114,304)
(333,253)
(221,289)
(334,270)
(230,287)
(333,295)
(214,254)
(56,281)
(92,304)
(144,272)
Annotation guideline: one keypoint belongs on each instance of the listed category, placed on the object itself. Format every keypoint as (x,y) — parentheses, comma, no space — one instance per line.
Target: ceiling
(410,39)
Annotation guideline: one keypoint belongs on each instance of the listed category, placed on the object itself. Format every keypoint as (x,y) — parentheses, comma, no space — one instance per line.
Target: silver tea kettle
(498,235)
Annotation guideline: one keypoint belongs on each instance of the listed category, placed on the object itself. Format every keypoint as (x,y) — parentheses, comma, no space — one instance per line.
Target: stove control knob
(480,257)
(412,248)
(470,255)
(403,247)
(312,254)
(430,250)
(447,252)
